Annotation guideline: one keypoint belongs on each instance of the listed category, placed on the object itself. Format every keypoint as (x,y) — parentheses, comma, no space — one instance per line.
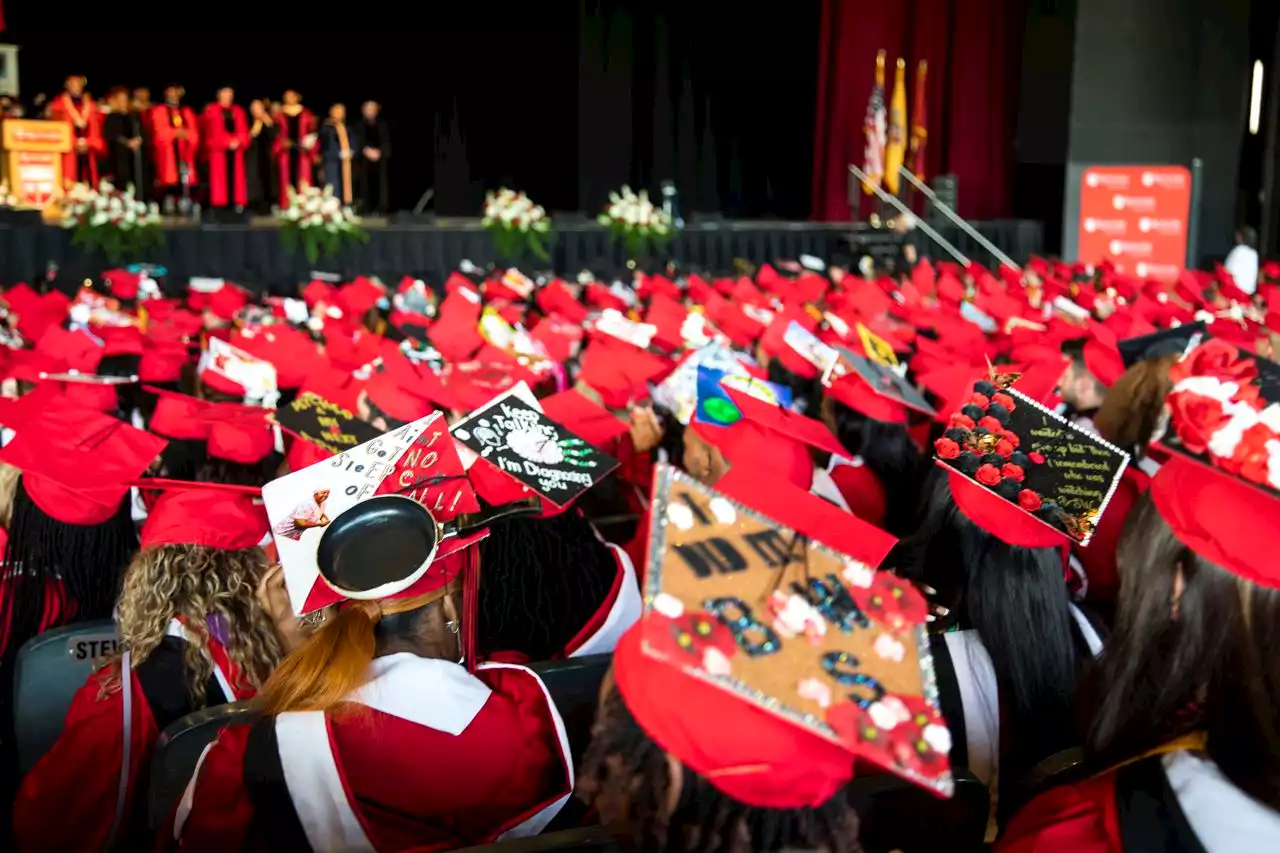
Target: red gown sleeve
(1077,818)
(161,129)
(193,131)
(68,800)
(97,144)
(216,136)
(282,134)
(221,814)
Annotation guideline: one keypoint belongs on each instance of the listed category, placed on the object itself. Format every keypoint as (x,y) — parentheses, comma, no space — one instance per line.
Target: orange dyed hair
(326,668)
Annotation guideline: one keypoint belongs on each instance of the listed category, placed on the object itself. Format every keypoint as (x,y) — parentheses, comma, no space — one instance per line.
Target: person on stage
(295,144)
(77,108)
(176,137)
(259,160)
(337,148)
(125,136)
(374,143)
(227,132)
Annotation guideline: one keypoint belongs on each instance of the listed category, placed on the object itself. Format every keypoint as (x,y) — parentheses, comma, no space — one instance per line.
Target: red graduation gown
(86,123)
(226,189)
(165,121)
(436,759)
(861,490)
(1178,801)
(58,610)
(68,800)
(306,126)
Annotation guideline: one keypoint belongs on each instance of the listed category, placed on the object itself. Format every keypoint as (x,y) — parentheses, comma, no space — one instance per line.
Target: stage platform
(253,255)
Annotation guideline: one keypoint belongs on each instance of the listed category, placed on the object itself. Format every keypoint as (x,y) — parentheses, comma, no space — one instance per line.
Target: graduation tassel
(470,606)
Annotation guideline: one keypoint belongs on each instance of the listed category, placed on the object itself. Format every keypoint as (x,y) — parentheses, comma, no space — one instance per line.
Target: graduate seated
(1181,746)
(992,543)
(381,733)
(192,635)
(729,722)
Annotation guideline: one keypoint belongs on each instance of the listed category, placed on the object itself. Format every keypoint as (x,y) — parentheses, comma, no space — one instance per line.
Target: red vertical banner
(1136,217)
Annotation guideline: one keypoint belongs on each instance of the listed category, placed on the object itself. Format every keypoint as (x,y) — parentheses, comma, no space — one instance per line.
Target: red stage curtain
(974,51)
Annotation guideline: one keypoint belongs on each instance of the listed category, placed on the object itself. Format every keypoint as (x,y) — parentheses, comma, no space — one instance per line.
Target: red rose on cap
(991,425)
(946,448)
(1250,459)
(988,475)
(1004,400)
(1036,458)
(692,635)
(1195,418)
(1004,448)
(890,601)
(1011,437)
(1218,359)
(1029,500)
(1013,472)
(979,400)
(962,421)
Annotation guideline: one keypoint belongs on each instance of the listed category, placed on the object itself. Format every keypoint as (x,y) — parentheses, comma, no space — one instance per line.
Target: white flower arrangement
(516,223)
(317,220)
(642,226)
(116,222)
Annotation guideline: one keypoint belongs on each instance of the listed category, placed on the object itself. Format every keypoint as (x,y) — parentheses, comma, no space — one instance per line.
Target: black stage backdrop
(564,100)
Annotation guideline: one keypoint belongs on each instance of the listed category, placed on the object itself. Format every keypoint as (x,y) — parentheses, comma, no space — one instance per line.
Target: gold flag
(896,150)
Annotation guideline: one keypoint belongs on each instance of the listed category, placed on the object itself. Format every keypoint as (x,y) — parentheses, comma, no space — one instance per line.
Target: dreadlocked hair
(624,766)
(198,584)
(887,449)
(80,565)
(543,580)
(255,474)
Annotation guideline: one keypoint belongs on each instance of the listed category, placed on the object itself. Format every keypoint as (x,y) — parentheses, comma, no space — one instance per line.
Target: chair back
(180,747)
(574,685)
(893,814)
(50,668)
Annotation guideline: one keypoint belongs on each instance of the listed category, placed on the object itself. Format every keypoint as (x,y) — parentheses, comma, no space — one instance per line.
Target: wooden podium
(32,161)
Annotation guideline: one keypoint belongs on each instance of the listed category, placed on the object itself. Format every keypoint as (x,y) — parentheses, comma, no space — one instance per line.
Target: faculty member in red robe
(78,109)
(176,137)
(295,145)
(226,132)
(193,635)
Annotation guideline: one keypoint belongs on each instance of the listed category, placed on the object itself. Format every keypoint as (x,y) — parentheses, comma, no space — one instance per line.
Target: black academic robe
(260,166)
(338,171)
(371,177)
(124,165)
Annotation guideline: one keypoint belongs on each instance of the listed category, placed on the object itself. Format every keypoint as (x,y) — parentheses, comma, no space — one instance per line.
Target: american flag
(875,129)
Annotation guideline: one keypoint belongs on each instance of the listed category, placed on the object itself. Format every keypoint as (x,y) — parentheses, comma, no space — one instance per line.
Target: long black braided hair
(887,449)
(87,559)
(623,770)
(542,579)
(128,396)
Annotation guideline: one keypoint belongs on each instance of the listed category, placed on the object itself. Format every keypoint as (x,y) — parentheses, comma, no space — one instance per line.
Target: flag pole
(961,223)
(920,223)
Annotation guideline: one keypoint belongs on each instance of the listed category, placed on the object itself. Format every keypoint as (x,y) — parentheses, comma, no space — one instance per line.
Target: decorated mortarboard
(515,341)
(312,418)
(1164,342)
(873,389)
(1220,489)
(1024,474)
(370,522)
(239,433)
(515,437)
(229,370)
(211,515)
(614,324)
(790,340)
(877,348)
(678,393)
(769,662)
(714,405)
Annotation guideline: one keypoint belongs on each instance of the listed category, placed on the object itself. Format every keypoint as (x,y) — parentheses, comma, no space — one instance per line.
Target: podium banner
(1136,217)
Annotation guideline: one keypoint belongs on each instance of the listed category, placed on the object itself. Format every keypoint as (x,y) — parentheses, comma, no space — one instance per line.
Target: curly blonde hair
(8,485)
(196,582)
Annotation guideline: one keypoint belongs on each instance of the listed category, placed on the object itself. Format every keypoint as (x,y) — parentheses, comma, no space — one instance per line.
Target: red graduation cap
(558,335)
(1103,360)
(556,298)
(319,292)
(77,350)
(878,404)
(775,344)
(239,433)
(226,301)
(602,297)
(77,464)
(592,423)
(122,283)
(619,372)
(211,515)
(360,295)
(403,400)
(121,340)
